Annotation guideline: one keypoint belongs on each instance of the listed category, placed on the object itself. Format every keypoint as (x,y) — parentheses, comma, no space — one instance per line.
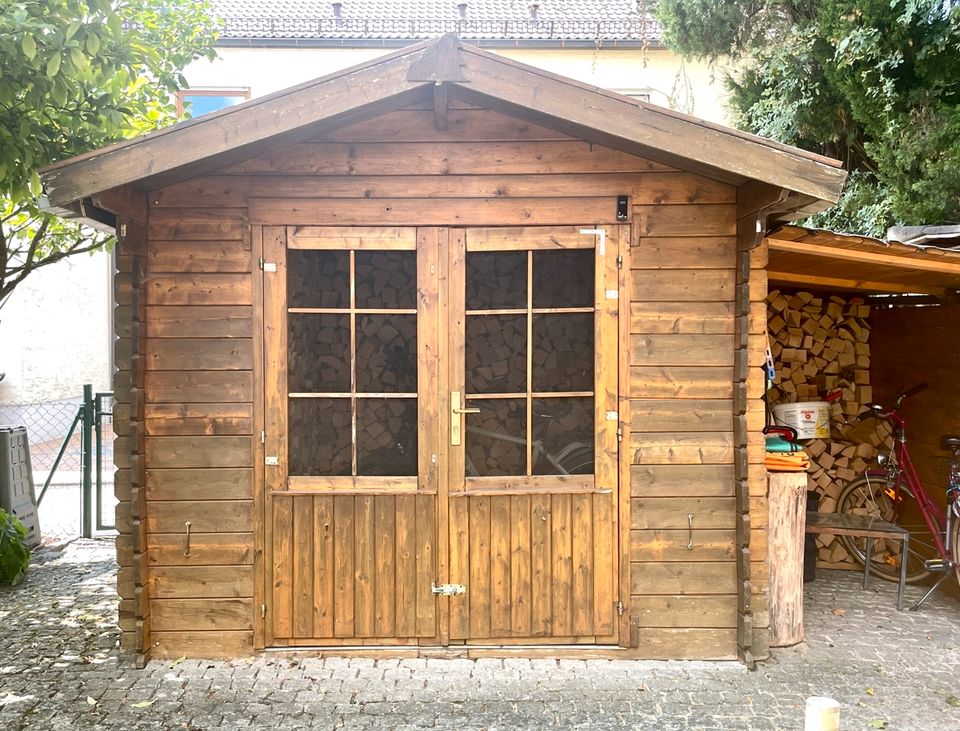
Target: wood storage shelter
(442,351)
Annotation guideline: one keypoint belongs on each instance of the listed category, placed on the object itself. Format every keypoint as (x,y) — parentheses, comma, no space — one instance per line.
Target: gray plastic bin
(17,493)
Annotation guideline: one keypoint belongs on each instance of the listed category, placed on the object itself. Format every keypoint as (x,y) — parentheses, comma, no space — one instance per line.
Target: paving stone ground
(60,669)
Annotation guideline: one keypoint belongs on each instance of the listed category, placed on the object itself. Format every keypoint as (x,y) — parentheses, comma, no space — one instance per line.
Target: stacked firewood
(820,347)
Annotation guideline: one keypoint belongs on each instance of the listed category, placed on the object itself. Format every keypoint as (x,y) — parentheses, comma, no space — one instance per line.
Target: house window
(642,95)
(194,102)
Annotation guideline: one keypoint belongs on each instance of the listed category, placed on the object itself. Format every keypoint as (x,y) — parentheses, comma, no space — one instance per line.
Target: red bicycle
(934,533)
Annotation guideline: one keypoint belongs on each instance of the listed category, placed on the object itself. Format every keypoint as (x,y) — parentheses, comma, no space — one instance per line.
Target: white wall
(687,87)
(55,332)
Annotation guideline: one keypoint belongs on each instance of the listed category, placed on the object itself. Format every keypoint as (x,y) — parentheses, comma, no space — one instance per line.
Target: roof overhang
(208,143)
(816,259)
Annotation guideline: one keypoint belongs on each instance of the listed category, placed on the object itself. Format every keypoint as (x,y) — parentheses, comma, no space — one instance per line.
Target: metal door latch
(448,589)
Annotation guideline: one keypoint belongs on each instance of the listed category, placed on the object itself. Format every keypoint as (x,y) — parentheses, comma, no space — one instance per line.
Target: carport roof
(825,260)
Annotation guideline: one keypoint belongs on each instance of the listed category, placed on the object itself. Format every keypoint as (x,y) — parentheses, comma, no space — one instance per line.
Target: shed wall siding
(199,368)
(682,331)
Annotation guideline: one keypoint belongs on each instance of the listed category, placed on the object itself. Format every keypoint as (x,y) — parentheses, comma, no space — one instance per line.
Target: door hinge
(263,610)
(619,262)
(263,437)
(619,607)
(619,434)
(448,589)
(271,461)
(267,266)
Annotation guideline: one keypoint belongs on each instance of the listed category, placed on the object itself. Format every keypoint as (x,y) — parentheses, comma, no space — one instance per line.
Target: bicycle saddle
(950,442)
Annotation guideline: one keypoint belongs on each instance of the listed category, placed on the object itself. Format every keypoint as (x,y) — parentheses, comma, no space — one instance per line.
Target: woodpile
(821,349)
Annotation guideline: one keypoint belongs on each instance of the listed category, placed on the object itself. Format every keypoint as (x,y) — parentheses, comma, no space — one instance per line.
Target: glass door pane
(529,362)
(352,363)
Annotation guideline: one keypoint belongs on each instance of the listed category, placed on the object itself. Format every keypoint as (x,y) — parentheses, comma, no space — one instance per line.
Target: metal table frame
(839,524)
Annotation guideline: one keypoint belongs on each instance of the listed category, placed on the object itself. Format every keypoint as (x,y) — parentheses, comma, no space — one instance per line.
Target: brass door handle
(457,410)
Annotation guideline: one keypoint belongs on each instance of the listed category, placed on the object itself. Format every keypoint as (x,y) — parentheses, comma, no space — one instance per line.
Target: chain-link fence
(55,430)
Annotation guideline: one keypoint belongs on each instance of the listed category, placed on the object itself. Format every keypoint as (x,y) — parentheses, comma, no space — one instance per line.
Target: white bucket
(811,419)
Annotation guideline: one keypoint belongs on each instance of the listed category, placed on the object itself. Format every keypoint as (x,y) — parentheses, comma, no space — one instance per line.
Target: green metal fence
(93,415)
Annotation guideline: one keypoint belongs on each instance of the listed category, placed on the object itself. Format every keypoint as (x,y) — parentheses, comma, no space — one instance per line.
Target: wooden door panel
(537,567)
(537,553)
(343,571)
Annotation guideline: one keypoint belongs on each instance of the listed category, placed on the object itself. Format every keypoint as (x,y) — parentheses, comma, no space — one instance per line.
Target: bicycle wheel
(869,497)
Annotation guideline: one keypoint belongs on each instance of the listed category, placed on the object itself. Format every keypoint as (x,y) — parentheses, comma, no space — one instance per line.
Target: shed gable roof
(442,69)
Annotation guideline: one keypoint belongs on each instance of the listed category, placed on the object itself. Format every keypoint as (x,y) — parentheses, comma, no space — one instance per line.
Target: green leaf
(877,723)
(952,700)
(53,65)
(35,186)
(143,704)
(93,44)
(29,47)
(79,60)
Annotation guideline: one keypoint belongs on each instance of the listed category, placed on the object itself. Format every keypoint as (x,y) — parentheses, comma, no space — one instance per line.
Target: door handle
(457,410)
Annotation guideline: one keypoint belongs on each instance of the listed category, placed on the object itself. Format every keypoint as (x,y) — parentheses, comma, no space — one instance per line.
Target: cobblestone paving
(59,669)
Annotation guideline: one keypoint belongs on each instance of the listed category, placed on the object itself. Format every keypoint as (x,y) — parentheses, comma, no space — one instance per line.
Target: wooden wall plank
(300,565)
(687,644)
(684,252)
(442,158)
(179,387)
(679,480)
(479,585)
(406,571)
(661,188)
(673,545)
(682,285)
(426,512)
(200,582)
(199,354)
(500,533)
(690,318)
(520,566)
(201,614)
(686,415)
(198,289)
(675,577)
(218,644)
(385,569)
(671,513)
(180,255)
(199,321)
(199,451)
(693,220)
(365,571)
(205,516)
(682,448)
(217,483)
(686,611)
(681,350)
(397,212)
(323,568)
(206,549)
(541,527)
(198,419)
(562,565)
(343,582)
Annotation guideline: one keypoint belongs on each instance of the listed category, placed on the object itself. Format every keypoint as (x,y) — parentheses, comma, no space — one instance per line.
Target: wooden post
(787,501)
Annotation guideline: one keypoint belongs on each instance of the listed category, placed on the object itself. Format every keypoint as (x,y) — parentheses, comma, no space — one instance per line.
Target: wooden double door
(441,435)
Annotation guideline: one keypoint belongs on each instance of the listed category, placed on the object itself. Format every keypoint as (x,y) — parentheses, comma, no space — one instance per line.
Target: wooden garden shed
(442,352)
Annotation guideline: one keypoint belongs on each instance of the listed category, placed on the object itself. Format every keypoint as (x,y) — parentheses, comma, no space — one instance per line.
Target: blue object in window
(196,104)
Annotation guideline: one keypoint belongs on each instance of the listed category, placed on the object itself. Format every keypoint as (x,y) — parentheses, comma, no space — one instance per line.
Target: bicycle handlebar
(882,412)
(910,392)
